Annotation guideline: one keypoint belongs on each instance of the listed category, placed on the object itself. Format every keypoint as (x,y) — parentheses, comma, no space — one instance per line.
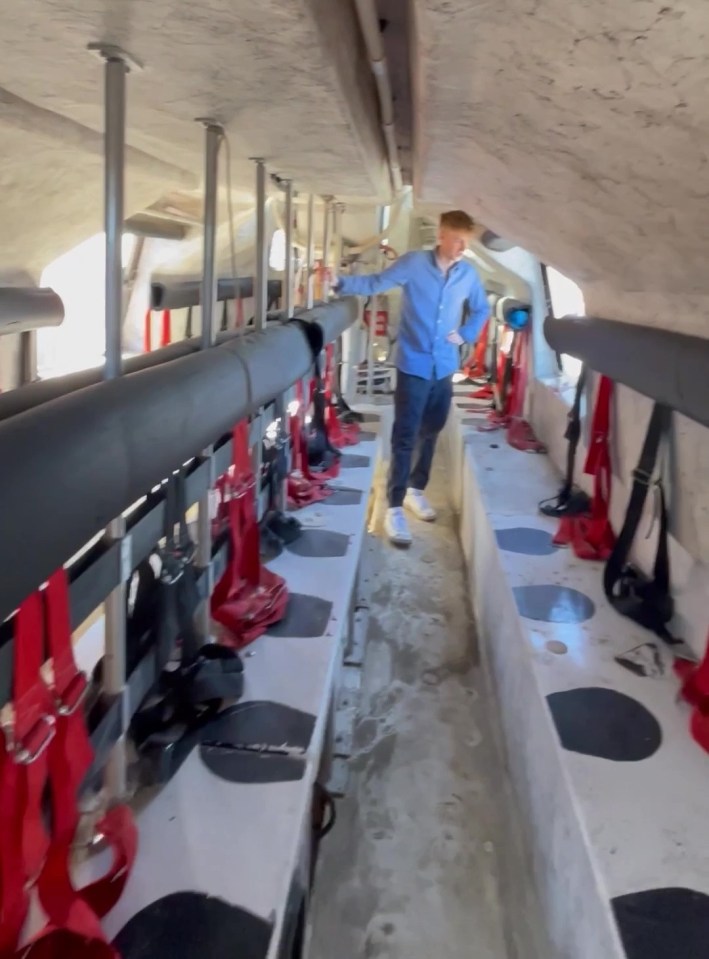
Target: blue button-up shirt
(431,309)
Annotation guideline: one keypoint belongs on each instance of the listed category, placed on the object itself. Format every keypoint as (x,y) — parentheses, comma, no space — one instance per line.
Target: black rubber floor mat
(271,740)
(192,925)
(671,923)
(525,540)
(319,544)
(344,497)
(306,617)
(606,724)
(366,437)
(353,461)
(553,604)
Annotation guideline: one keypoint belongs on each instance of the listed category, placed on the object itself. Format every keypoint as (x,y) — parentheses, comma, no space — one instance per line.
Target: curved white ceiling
(289,81)
(581,130)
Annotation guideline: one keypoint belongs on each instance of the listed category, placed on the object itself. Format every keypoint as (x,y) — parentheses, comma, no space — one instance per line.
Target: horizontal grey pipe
(181,294)
(28,308)
(84,458)
(670,368)
(34,394)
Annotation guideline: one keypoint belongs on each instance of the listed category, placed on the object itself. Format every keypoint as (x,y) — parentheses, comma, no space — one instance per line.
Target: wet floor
(425,861)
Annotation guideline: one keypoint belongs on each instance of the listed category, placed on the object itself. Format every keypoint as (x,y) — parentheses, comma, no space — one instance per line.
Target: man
(437,286)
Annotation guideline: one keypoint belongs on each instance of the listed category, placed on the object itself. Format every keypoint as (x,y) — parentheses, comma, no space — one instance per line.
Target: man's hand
(455,338)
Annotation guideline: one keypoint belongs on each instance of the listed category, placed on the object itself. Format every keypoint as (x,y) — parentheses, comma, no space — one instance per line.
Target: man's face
(452,243)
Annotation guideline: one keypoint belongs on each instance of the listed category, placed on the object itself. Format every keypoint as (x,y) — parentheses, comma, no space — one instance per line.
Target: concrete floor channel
(426,860)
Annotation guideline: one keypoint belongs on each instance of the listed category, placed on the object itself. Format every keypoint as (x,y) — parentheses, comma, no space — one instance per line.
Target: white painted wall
(686,479)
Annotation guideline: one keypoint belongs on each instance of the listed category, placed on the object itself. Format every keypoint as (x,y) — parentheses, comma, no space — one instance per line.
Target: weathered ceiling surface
(581,131)
(288,80)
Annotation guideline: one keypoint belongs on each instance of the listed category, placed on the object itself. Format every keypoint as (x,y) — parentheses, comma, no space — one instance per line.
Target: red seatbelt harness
(591,535)
(165,330)
(46,744)
(304,487)
(340,434)
(510,415)
(248,598)
(475,368)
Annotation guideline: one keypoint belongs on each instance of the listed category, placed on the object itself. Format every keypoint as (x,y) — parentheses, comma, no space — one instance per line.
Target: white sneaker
(419,505)
(397,529)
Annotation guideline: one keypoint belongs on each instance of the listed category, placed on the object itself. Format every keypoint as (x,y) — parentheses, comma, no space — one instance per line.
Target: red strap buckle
(27,750)
(73,696)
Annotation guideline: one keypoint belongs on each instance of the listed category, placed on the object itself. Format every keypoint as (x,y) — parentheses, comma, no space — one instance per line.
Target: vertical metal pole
(339,239)
(28,357)
(208,297)
(261,248)
(326,246)
(115,114)
(117,66)
(382,223)
(208,301)
(288,297)
(309,253)
(261,300)
(288,301)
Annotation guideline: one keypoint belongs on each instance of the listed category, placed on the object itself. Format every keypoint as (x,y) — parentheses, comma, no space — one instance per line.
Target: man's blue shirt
(431,309)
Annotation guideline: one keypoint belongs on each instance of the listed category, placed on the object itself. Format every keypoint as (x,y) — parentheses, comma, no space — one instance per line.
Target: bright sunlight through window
(566,300)
(78,277)
(277,255)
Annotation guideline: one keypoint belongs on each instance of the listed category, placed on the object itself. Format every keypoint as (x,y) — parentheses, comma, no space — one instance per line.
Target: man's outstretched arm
(370,283)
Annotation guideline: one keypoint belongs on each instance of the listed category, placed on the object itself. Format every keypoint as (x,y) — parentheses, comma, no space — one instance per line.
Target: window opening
(565,299)
(78,276)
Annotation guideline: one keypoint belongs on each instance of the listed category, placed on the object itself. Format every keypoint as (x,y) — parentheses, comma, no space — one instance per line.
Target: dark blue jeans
(421,409)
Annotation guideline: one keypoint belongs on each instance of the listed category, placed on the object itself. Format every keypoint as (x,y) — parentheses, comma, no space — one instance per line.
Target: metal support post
(382,223)
(117,66)
(326,246)
(288,301)
(339,239)
(261,248)
(288,293)
(261,302)
(309,254)
(213,133)
(28,357)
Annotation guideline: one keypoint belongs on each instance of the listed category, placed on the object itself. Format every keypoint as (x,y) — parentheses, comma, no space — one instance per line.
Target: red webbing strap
(166,328)
(591,536)
(498,418)
(148,331)
(73,928)
(475,366)
(340,434)
(303,490)
(248,598)
(23,772)
(519,432)
(300,441)
(695,690)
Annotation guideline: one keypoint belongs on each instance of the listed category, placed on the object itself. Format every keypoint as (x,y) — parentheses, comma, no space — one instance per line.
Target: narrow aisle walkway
(425,840)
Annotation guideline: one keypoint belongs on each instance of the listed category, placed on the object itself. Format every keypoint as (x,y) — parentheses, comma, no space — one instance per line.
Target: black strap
(646,601)
(188,326)
(225,318)
(570,501)
(192,687)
